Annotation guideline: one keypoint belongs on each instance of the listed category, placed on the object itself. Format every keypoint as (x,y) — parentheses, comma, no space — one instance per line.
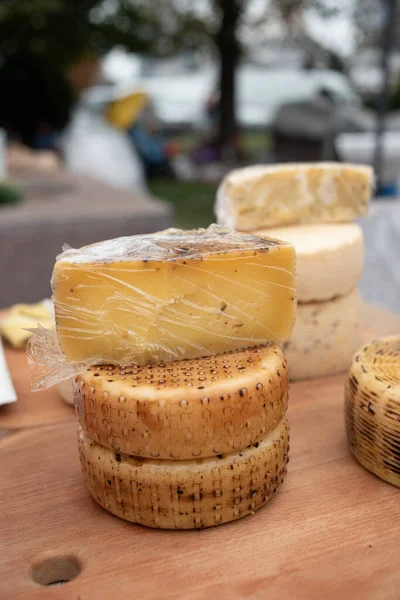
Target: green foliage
(394,101)
(63,30)
(60,30)
(9,194)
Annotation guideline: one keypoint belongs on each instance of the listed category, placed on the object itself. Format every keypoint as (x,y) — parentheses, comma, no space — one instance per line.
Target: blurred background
(121,116)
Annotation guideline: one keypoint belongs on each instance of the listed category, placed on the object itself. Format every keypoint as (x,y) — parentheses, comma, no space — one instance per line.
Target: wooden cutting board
(333,531)
(30,410)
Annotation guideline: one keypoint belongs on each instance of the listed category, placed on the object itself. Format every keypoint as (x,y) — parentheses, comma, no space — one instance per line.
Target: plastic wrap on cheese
(167,296)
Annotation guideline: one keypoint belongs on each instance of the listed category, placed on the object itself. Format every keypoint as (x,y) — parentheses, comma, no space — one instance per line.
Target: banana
(185,409)
(189,494)
(372,408)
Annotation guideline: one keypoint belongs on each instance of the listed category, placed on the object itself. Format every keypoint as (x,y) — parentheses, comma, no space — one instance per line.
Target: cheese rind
(372,408)
(325,337)
(185,409)
(329,258)
(185,494)
(173,295)
(270,196)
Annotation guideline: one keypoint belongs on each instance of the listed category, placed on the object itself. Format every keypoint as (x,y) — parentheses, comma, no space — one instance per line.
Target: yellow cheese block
(372,408)
(325,337)
(173,295)
(188,494)
(22,317)
(185,409)
(269,196)
(329,258)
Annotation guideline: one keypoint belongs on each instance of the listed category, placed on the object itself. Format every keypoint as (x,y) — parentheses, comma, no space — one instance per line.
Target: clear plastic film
(163,297)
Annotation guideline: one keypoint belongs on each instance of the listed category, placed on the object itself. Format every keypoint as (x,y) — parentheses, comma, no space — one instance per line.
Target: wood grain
(30,410)
(332,532)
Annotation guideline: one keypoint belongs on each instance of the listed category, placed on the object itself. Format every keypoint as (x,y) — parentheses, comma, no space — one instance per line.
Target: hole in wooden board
(56,570)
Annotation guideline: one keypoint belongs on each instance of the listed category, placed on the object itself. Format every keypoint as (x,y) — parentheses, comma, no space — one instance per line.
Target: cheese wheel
(185,409)
(173,295)
(66,392)
(325,337)
(372,408)
(185,494)
(329,258)
(272,195)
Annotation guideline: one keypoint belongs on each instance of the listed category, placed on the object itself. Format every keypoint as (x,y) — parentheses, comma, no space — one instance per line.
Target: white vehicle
(180,99)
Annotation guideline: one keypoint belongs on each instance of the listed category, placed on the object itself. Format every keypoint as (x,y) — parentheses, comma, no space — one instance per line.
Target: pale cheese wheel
(372,408)
(185,409)
(325,337)
(185,494)
(66,392)
(284,194)
(329,258)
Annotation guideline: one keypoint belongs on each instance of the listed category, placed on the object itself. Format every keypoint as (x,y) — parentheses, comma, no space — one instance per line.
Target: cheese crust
(186,409)
(372,408)
(185,494)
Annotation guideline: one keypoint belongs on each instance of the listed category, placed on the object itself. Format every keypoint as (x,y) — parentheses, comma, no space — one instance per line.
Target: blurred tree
(41,42)
(227,43)
(48,37)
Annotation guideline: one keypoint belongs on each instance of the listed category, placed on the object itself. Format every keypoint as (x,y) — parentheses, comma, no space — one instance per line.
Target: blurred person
(94,146)
(84,73)
(135,114)
(35,100)
(208,149)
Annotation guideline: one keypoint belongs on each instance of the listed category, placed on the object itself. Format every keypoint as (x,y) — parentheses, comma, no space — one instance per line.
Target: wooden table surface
(333,531)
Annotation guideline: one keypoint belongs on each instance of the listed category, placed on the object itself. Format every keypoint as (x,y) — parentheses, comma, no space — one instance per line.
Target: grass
(193,201)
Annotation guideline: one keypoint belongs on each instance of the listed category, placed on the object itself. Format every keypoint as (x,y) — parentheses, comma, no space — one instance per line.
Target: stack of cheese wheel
(182,411)
(310,205)
(329,267)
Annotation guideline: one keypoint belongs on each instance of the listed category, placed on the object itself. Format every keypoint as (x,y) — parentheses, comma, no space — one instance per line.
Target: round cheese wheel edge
(190,494)
(329,258)
(186,409)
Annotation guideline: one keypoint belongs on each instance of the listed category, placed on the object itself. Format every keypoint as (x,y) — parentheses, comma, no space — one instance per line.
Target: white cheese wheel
(185,409)
(188,494)
(66,392)
(372,408)
(272,195)
(325,337)
(329,258)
